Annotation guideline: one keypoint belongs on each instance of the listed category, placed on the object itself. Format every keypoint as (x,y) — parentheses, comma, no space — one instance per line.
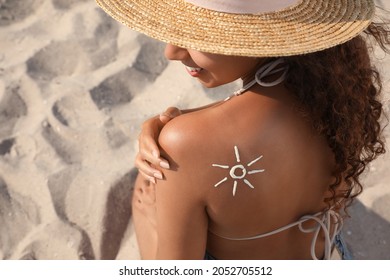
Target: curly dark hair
(340,92)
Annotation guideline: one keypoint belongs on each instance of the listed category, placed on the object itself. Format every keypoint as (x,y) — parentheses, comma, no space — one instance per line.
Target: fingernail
(158,175)
(164,164)
(152,180)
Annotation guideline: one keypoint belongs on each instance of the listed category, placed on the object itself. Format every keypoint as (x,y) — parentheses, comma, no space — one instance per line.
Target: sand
(74,88)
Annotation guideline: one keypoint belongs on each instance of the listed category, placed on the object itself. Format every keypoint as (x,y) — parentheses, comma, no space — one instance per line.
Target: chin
(210,84)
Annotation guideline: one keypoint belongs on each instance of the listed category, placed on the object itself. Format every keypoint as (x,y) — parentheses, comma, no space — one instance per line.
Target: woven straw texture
(309,26)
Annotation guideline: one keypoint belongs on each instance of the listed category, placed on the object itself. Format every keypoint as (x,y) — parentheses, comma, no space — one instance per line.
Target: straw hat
(262,28)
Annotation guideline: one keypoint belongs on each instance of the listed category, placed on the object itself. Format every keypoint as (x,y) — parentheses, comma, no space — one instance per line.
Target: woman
(267,173)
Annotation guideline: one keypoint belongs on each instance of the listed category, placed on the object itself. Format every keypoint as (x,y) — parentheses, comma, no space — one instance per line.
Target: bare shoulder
(186,135)
(294,157)
(194,143)
(189,142)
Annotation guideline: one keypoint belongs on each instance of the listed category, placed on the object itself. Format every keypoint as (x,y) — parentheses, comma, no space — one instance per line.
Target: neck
(247,78)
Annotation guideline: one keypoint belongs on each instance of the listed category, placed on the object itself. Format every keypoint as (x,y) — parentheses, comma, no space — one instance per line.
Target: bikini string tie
(266,70)
(324,222)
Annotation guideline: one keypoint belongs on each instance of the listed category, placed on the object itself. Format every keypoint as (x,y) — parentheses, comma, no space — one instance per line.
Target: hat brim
(307,27)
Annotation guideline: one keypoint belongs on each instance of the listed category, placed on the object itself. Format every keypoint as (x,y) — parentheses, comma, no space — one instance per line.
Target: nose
(173,52)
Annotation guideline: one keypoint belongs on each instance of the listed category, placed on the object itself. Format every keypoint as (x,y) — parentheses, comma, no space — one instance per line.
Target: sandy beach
(75,87)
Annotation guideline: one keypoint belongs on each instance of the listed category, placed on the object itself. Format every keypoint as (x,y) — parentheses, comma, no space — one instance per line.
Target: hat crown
(244,6)
(257,28)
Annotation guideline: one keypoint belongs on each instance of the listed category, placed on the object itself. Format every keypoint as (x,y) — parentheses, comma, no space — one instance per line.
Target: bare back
(287,172)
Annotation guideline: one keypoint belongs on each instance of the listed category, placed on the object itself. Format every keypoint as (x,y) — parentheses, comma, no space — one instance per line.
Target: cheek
(238,68)
(247,64)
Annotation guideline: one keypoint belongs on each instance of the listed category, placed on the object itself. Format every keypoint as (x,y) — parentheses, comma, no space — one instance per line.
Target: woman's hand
(148,155)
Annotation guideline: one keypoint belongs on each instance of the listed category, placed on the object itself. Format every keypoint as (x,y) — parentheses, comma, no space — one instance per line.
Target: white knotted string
(265,71)
(323,223)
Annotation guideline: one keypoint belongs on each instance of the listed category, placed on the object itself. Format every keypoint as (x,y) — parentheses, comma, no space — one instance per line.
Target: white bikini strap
(323,223)
(265,71)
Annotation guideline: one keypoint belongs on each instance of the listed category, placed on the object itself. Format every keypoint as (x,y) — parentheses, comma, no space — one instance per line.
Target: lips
(194,69)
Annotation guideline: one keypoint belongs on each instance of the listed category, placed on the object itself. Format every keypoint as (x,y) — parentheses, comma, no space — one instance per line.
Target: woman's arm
(182,220)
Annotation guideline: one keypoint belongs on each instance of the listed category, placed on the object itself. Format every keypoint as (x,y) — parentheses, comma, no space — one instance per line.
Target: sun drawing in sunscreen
(238,171)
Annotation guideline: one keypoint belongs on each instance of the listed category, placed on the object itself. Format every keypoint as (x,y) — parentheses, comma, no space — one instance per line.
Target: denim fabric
(342,248)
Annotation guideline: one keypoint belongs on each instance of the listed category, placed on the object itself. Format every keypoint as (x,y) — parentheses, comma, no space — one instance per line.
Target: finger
(169,114)
(147,170)
(172,112)
(149,157)
(149,152)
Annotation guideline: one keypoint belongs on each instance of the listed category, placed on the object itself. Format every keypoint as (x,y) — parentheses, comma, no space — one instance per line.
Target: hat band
(244,6)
